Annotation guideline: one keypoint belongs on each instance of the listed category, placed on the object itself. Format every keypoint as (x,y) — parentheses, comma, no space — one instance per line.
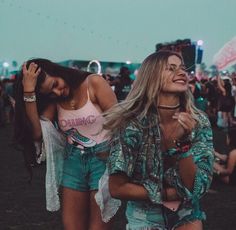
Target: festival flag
(226,55)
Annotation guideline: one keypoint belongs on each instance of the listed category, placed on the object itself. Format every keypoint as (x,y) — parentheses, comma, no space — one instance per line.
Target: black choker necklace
(171,107)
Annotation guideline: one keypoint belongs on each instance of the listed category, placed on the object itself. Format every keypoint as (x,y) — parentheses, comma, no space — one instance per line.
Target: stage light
(128,62)
(5,64)
(200,42)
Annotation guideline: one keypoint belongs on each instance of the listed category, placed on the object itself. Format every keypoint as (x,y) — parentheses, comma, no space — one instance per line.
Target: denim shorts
(186,213)
(84,167)
(143,215)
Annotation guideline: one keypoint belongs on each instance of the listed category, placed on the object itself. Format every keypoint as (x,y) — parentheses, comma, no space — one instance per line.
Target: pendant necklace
(168,139)
(72,104)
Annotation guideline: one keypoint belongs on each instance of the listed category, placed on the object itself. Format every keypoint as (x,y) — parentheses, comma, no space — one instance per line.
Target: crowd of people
(6,101)
(217,97)
(149,141)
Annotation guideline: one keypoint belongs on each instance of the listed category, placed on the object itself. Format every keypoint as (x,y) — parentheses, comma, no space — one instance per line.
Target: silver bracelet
(29,98)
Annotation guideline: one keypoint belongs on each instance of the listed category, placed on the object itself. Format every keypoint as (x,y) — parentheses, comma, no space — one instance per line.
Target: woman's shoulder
(95,82)
(130,128)
(130,134)
(95,79)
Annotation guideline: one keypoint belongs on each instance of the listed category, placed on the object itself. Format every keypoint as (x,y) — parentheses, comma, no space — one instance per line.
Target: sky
(109,30)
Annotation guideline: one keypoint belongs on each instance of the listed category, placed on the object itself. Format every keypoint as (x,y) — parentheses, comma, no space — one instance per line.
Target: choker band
(171,107)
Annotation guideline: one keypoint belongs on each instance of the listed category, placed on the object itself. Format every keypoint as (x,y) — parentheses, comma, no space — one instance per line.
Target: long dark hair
(22,126)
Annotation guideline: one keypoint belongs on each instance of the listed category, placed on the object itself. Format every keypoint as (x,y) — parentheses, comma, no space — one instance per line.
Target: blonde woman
(161,148)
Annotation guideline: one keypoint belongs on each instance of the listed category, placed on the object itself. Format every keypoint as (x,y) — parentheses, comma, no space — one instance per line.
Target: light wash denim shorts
(84,167)
(143,215)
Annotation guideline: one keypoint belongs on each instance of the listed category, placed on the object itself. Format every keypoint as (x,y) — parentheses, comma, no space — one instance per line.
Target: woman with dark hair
(225,165)
(161,153)
(75,100)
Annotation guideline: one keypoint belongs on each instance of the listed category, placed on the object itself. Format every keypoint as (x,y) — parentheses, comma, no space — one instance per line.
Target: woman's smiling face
(175,76)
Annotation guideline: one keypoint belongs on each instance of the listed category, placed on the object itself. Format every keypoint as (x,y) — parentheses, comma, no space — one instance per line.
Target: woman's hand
(30,76)
(187,123)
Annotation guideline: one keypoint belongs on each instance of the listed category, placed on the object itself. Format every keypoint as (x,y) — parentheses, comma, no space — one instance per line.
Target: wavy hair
(144,94)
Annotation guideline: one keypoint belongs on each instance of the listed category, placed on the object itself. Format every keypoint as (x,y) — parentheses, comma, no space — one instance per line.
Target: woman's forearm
(129,191)
(32,114)
(222,157)
(121,188)
(187,171)
(29,81)
(221,170)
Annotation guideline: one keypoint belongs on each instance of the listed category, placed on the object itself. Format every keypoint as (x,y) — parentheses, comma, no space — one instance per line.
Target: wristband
(29,91)
(184,155)
(183,146)
(30,98)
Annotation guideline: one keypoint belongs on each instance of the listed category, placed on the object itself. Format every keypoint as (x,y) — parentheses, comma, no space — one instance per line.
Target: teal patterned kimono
(203,156)
(136,152)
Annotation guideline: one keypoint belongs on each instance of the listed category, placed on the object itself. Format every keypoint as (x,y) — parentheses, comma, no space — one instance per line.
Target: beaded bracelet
(184,155)
(181,150)
(183,146)
(30,98)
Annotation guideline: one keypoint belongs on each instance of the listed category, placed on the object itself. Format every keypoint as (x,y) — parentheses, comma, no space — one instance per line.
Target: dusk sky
(109,30)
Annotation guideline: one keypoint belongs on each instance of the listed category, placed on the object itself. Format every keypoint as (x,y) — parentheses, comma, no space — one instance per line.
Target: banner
(226,55)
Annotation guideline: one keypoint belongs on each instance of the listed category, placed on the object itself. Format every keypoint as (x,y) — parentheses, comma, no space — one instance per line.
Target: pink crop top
(87,120)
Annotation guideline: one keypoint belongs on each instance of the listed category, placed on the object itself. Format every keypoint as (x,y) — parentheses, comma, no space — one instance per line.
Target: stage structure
(101,67)
(191,51)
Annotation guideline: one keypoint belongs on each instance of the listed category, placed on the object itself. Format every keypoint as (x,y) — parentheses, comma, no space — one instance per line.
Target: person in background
(108,78)
(161,155)
(8,96)
(75,100)
(226,102)
(225,164)
(211,95)
(234,93)
(1,104)
(122,83)
(199,101)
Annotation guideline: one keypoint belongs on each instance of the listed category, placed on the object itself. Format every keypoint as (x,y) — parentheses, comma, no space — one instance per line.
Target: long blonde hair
(144,94)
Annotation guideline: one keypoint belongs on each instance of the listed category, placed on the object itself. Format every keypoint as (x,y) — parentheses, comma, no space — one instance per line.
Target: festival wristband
(184,155)
(29,91)
(182,146)
(30,98)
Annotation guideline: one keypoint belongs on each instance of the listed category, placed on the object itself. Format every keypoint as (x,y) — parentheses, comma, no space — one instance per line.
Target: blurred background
(115,33)
(112,38)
